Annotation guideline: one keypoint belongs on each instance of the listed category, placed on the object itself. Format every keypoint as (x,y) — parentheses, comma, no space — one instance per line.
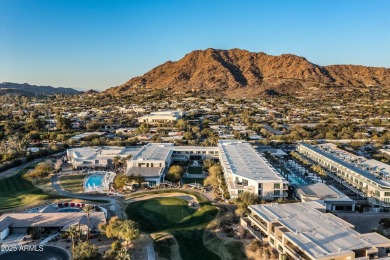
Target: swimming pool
(94,181)
(69,210)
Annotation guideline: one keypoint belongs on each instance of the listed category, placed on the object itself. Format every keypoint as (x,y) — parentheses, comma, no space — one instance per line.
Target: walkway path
(13,171)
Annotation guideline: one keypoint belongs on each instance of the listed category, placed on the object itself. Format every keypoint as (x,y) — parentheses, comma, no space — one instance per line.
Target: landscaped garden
(16,191)
(195,169)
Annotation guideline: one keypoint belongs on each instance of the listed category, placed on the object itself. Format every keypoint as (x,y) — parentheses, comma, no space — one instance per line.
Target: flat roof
(319,234)
(318,189)
(154,151)
(58,219)
(242,159)
(347,165)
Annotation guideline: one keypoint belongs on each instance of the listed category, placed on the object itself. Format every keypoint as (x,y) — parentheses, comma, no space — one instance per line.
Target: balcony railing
(261,224)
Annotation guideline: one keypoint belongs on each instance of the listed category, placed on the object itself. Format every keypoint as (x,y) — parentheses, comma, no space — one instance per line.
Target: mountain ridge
(237,72)
(36,90)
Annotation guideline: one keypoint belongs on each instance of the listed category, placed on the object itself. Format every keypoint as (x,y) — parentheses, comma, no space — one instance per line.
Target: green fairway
(72,183)
(173,215)
(15,191)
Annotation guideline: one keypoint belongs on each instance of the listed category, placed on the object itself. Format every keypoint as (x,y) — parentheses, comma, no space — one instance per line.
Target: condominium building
(304,231)
(153,160)
(245,170)
(364,177)
(161,117)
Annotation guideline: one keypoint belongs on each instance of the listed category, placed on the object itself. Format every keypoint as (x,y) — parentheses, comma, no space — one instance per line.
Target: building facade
(368,184)
(245,170)
(304,231)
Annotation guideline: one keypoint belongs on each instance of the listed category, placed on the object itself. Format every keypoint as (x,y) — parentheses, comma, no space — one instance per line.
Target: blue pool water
(69,210)
(94,181)
(295,180)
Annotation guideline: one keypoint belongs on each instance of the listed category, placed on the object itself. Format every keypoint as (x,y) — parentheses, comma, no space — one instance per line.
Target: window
(276,192)
(387,194)
(276,185)
(240,192)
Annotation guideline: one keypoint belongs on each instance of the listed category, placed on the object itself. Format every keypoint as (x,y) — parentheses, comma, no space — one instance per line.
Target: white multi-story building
(161,117)
(153,160)
(366,178)
(98,157)
(304,231)
(245,170)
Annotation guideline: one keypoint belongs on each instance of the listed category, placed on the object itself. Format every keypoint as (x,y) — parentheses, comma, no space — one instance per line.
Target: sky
(97,44)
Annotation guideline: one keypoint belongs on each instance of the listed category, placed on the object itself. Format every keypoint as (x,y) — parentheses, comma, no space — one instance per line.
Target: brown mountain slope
(238,72)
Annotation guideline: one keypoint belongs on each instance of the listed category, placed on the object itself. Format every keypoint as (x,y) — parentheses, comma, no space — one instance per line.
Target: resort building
(245,170)
(49,219)
(153,160)
(98,157)
(161,117)
(304,231)
(362,176)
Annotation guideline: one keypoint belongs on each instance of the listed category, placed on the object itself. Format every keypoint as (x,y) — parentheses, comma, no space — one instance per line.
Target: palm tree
(72,233)
(116,162)
(88,209)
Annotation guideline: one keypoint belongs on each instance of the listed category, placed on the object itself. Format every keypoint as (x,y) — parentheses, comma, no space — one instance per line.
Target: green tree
(126,230)
(72,234)
(175,173)
(85,251)
(63,123)
(120,181)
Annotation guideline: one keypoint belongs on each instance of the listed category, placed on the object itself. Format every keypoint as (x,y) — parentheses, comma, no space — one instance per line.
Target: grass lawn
(172,215)
(72,183)
(15,191)
(195,169)
(198,196)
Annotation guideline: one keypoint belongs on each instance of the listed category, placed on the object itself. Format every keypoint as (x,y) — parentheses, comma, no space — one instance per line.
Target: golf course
(187,225)
(15,191)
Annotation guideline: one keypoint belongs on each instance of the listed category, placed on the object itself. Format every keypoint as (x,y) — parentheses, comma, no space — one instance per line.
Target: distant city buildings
(161,117)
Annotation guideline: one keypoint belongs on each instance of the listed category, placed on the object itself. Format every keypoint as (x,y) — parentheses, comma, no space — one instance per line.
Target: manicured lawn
(195,170)
(72,183)
(15,191)
(172,215)
(198,196)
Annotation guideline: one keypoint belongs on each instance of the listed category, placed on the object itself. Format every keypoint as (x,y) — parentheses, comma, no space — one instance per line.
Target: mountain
(28,89)
(239,72)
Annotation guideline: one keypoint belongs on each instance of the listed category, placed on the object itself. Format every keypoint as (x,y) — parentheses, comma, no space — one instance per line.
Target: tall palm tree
(72,233)
(88,209)
(116,162)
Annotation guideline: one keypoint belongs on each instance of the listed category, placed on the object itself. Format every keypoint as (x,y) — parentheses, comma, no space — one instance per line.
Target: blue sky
(102,43)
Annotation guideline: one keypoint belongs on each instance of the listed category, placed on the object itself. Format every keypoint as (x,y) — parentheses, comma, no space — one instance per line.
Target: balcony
(261,224)
(280,195)
(374,201)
